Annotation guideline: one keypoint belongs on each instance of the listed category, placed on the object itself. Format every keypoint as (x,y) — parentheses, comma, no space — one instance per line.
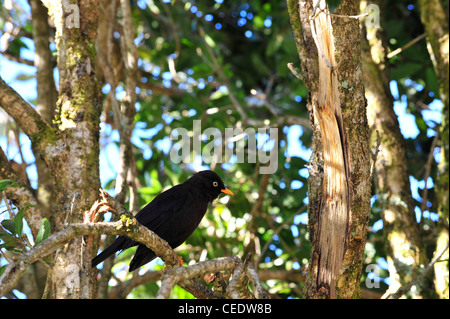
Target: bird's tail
(120,243)
(142,256)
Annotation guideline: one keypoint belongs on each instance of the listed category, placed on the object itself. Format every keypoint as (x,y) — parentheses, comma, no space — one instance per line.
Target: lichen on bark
(353,129)
(75,163)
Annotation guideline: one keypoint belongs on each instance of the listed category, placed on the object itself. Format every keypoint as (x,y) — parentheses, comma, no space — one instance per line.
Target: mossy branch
(128,226)
(28,119)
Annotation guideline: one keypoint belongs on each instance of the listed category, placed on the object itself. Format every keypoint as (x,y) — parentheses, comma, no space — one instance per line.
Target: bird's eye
(215,184)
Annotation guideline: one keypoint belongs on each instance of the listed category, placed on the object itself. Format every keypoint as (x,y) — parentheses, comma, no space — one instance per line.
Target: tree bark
(405,250)
(435,21)
(339,183)
(74,162)
(46,96)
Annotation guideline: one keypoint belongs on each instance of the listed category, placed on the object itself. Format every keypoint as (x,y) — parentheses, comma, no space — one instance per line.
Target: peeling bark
(333,220)
(339,183)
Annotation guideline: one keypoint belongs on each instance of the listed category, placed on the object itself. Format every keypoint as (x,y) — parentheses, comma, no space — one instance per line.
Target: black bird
(173,215)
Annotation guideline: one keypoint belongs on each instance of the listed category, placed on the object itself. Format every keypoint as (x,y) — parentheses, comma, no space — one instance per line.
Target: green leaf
(187,42)
(5,183)
(9,225)
(2,269)
(44,231)
(24,77)
(18,223)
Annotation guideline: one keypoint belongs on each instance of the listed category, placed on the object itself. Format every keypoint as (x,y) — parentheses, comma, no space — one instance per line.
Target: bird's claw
(181,263)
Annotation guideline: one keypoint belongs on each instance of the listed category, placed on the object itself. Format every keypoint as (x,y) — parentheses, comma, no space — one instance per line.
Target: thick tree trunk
(74,162)
(435,21)
(339,184)
(405,250)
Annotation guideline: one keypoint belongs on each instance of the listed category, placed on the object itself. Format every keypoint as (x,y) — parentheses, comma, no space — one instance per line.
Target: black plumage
(173,215)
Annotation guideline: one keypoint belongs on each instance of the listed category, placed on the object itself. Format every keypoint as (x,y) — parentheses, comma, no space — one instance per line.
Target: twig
(47,283)
(403,290)
(122,289)
(24,164)
(399,50)
(68,218)
(427,171)
(16,58)
(21,195)
(359,16)
(8,208)
(290,66)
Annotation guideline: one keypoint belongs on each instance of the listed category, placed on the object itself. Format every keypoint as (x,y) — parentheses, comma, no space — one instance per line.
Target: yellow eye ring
(215,184)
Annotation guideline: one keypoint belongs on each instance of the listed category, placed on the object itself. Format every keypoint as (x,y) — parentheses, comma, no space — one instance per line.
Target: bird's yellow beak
(227,191)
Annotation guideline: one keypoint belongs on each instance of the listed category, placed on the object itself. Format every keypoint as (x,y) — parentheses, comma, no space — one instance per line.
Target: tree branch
(130,57)
(174,276)
(47,95)
(23,113)
(128,226)
(237,287)
(136,232)
(403,290)
(21,194)
(16,58)
(260,293)
(122,289)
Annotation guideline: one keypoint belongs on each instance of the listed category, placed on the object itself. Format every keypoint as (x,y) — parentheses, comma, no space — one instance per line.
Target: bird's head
(211,184)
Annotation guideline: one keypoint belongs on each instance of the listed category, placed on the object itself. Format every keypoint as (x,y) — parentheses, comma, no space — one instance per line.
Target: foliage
(196,60)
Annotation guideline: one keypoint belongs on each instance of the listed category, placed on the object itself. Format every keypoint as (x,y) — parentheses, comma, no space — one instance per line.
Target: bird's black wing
(152,216)
(158,212)
(163,207)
